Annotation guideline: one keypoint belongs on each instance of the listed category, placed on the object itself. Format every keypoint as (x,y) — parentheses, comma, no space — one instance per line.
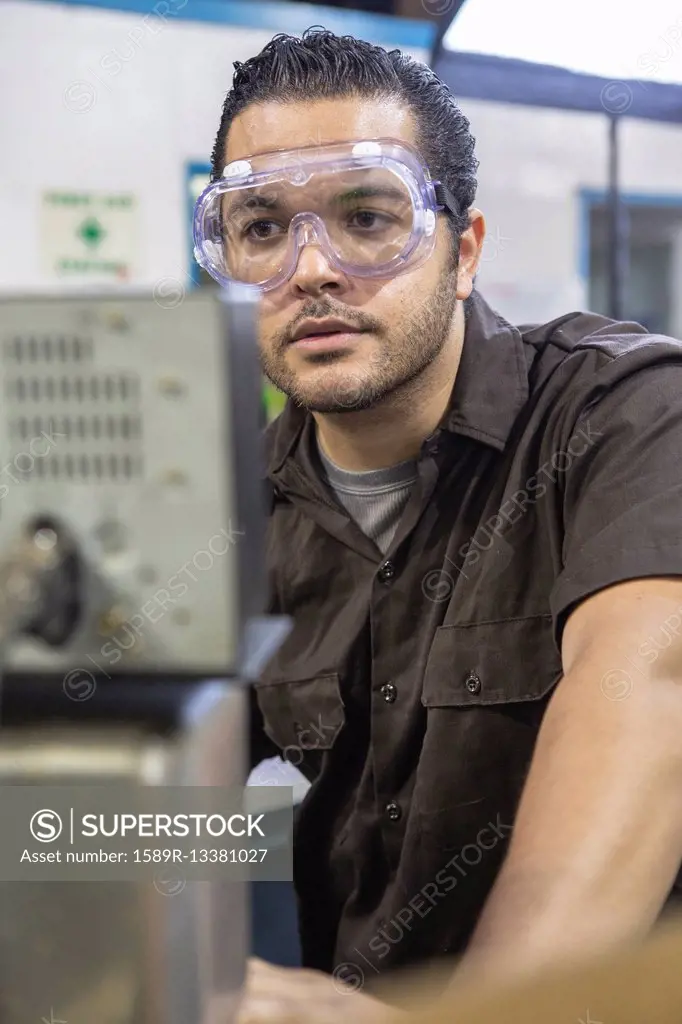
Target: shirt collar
(490,390)
(491,386)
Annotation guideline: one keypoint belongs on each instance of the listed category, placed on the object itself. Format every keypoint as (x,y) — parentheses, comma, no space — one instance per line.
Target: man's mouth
(325,334)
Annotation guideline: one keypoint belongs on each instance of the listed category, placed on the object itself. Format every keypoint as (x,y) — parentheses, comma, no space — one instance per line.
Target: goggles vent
(237,169)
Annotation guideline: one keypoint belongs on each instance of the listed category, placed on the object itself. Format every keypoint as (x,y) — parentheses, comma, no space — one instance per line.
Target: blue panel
(594,196)
(191,171)
(282,17)
(485,77)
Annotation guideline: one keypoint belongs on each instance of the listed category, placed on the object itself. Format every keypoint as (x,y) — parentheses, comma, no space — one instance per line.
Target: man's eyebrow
(263,201)
(254,201)
(370,192)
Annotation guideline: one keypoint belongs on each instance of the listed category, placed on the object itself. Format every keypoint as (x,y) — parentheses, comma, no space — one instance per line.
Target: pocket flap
(305,714)
(492,663)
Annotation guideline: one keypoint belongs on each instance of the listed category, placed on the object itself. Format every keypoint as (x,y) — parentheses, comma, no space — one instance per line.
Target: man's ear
(470,247)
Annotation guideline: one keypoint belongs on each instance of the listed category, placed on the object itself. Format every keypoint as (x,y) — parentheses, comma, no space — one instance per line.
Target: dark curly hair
(323,65)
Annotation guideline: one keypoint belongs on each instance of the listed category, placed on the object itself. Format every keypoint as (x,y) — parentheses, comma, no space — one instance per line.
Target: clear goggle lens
(367,216)
(370,206)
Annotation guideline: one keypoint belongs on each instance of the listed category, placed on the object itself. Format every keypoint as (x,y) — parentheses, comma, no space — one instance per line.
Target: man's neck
(395,430)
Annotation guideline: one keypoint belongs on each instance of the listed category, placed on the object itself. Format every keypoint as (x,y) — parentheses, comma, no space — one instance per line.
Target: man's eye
(369,219)
(261,229)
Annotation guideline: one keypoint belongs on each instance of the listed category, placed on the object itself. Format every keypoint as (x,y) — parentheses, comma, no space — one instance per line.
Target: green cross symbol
(92,232)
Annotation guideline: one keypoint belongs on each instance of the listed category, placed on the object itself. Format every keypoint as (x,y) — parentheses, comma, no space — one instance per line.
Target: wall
(107,100)
(534,163)
(102,99)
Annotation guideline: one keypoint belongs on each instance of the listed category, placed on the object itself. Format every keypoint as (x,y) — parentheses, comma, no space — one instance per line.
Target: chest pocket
(302,715)
(491,663)
(485,690)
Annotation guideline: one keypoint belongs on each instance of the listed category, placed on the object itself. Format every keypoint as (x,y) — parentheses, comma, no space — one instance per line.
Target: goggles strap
(445,198)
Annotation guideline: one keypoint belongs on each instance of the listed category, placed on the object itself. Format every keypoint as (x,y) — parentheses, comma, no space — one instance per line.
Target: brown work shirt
(412,686)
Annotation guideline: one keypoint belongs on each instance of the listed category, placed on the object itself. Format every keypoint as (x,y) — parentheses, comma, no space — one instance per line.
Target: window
(651,294)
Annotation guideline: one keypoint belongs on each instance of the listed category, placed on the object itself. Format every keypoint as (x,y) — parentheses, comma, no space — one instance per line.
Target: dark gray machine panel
(117,421)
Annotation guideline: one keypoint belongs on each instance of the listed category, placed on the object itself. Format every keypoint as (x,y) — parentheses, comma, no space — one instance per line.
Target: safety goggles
(369,205)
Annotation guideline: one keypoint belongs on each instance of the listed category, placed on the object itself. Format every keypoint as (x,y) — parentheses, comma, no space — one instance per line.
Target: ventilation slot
(105,389)
(60,349)
(66,422)
(72,468)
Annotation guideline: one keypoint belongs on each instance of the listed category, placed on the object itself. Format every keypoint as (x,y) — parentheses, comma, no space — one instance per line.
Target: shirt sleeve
(622,487)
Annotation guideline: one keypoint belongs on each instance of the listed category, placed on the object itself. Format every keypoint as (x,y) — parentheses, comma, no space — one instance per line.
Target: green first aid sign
(89,236)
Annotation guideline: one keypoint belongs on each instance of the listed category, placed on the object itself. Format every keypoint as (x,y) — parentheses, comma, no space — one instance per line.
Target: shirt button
(389,692)
(473,683)
(386,572)
(393,811)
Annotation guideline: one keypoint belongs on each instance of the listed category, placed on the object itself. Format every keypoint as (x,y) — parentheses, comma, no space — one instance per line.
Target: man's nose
(314,270)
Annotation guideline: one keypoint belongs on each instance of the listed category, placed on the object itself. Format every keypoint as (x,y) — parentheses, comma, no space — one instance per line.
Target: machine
(132,599)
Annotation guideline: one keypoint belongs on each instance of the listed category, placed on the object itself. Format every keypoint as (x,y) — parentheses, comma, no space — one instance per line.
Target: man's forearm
(532,920)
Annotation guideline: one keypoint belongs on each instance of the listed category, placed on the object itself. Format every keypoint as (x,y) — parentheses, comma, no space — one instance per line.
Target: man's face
(400,325)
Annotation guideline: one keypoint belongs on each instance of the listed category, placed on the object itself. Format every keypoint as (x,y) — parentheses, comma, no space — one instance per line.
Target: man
(475,529)
(636,983)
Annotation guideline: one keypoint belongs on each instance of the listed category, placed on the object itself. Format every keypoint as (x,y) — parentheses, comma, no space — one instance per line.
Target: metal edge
(244,394)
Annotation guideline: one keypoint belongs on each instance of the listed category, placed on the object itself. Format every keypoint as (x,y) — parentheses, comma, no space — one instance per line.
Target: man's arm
(598,838)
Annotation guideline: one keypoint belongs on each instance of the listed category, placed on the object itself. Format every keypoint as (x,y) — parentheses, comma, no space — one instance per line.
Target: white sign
(89,236)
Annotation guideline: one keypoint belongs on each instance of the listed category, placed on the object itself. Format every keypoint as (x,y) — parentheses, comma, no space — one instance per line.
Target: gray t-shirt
(375,499)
